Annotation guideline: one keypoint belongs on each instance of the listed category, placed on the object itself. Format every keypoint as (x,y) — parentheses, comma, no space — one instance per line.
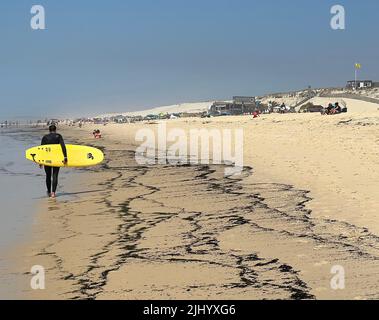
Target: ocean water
(20,185)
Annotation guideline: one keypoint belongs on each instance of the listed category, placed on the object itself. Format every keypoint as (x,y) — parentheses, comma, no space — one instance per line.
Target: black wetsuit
(53,138)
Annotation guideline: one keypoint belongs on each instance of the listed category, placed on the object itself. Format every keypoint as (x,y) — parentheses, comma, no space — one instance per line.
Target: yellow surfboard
(52,156)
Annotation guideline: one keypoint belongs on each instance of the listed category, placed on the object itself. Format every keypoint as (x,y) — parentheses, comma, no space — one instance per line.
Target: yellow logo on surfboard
(52,156)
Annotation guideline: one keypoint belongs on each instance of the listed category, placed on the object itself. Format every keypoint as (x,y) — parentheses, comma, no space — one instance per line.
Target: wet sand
(22,188)
(188,232)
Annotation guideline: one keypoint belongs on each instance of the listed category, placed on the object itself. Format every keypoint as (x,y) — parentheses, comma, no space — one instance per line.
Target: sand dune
(176,108)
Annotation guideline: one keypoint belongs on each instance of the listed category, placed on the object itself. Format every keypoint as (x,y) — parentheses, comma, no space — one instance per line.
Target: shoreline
(25,178)
(250,239)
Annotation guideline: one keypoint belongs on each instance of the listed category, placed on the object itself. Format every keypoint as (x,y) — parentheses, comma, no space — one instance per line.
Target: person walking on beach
(53,172)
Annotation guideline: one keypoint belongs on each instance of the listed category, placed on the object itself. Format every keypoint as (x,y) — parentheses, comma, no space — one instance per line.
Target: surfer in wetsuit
(53,138)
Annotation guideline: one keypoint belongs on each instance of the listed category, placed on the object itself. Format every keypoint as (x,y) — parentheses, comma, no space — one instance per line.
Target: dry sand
(306,201)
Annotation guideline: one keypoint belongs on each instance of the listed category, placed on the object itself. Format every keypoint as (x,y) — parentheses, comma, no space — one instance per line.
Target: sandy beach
(189,158)
(306,201)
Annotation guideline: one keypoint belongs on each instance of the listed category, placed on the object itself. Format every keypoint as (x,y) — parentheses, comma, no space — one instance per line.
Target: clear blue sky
(120,55)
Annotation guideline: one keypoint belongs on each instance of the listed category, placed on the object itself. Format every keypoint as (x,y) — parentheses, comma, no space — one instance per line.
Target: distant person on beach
(330,109)
(53,172)
(283,108)
(337,108)
(97,134)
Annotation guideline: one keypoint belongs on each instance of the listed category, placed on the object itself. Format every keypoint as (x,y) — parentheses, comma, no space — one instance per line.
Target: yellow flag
(358,66)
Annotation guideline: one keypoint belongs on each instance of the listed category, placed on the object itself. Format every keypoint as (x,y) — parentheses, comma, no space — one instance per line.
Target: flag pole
(356,77)
(357,67)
